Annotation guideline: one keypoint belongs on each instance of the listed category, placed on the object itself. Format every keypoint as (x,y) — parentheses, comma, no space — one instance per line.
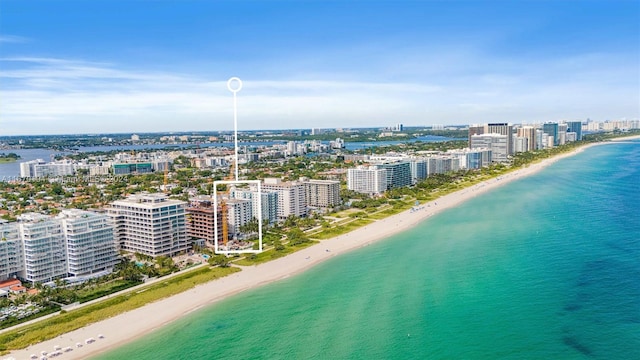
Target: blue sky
(137,66)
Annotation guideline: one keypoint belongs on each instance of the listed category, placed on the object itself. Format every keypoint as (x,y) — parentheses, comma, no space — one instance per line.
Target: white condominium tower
(268,201)
(90,243)
(41,248)
(367,180)
(11,251)
(291,197)
(150,224)
(45,251)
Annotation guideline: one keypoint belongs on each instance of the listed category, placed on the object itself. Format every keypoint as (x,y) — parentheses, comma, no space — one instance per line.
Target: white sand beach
(128,326)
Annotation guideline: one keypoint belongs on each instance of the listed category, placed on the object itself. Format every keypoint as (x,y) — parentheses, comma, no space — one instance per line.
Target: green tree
(219,260)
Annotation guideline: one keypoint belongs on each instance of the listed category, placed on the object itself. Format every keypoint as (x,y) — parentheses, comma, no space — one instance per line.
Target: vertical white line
(235,130)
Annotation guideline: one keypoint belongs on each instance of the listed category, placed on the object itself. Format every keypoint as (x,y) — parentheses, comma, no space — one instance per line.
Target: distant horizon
(165,65)
(187,132)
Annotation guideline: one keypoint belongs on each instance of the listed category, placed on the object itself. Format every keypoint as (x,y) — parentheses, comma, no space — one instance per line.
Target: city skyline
(73,67)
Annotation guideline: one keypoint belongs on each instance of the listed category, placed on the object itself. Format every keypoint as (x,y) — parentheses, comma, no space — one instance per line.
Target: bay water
(546,267)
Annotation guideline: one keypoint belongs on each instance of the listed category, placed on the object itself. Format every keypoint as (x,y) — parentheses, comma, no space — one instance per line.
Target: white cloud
(49,95)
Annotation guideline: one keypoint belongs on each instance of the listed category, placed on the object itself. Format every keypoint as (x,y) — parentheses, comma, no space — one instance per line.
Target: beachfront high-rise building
(40,248)
(11,251)
(200,219)
(551,129)
(562,134)
(471,158)
(497,143)
(398,173)
(575,127)
(418,169)
(45,251)
(442,164)
(269,202)
(502,129)
(368,180)
(239,213)
(520,144)
(150,224)
(291,197)
(494,128)
(476,129)
(528,132)
(91,246)
(322,193)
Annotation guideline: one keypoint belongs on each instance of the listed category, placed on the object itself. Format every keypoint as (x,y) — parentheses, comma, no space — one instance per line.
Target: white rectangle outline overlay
(215,216)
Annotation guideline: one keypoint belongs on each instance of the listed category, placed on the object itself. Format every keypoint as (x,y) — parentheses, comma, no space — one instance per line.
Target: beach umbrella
(34,356)
(100,336)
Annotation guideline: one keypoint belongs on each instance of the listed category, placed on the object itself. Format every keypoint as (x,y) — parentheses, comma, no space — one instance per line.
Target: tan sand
(128,326)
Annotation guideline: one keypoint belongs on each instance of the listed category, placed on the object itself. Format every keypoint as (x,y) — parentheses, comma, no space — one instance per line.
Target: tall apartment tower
(476,129)
(498,144)
(45,251)
(269,202)
(576,127)
(367,180)
(551,129)
(322,193)
(502,129)
(11,251)
(528,132)
(398,174)
(239,213)
(91,246)
(418,169)
(150,224)
(291,197)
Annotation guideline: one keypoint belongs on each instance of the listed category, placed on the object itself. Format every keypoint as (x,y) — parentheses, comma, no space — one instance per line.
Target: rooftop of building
(148,200)
(76,214)
(9,283)
(33,217)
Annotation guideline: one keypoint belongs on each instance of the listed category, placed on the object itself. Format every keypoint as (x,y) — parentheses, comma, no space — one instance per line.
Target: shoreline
(132,325)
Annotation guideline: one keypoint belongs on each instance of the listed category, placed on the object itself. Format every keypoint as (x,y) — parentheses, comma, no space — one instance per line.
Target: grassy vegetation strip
(272,254)
(75,319)
(342,229)
(107,289)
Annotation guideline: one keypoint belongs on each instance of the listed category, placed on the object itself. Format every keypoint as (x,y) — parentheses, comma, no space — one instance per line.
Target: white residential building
(45,251)
(28,168)
(441,164)
(291,197)
(150,224)
(11,250)
(54,169)
(269,202)
(499,145)
(238,214)
(367,180)
(418,169)
(91,246)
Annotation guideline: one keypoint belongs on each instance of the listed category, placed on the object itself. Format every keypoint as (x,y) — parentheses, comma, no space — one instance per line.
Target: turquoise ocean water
(547,267)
